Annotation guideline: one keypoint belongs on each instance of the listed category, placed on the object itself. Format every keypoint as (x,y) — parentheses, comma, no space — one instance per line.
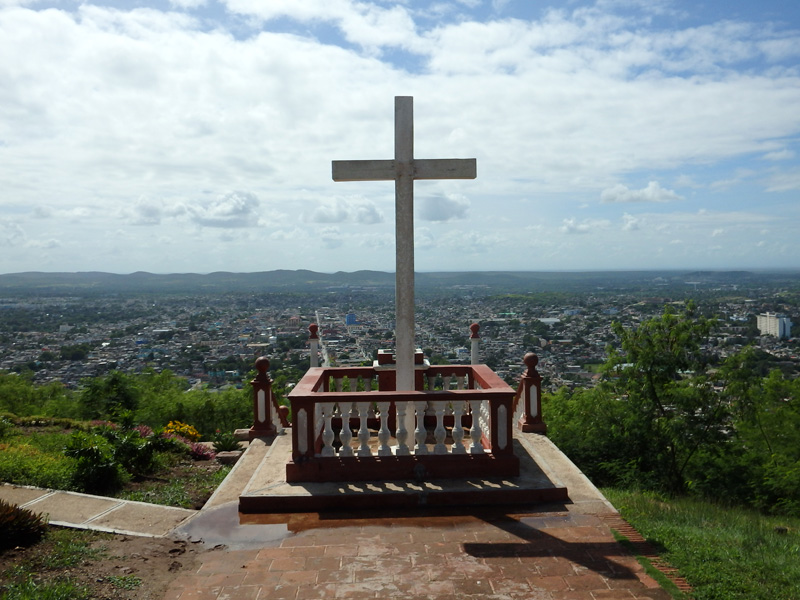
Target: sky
(176,136)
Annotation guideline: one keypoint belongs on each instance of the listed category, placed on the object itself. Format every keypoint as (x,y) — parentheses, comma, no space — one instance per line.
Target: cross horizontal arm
(385,170)
(364,170)
(446,168)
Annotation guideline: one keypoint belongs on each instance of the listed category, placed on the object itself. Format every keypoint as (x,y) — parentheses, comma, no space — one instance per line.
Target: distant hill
(98,283)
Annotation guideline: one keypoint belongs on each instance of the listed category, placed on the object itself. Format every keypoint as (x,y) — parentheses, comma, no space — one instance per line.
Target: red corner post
(475,341)
(530,392)
(264,409)
(313,342)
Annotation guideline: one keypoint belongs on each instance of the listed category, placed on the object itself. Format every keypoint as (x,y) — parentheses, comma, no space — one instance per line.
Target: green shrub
(19,526)
(97,470)
(27,465)
(135,454)
(6,427)
(225,442)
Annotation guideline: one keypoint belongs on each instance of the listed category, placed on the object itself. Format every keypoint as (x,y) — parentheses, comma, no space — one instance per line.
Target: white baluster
(363,431)
(353,384)
(502,428)
(475,432)
(440,433)
(486,421)
(458,428)
(327,432)
(461,381)
(346,436)
(338,382)
(420,434)
(276,421)
(383,433)
(446,382)
(402,432)
(318,424)
(262,406)
(520,412)
(302,431)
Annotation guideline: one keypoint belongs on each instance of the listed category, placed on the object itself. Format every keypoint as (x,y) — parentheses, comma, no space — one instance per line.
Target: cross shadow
(595,555)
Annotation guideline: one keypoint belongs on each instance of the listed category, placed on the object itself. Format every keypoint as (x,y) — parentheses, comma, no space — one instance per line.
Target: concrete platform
(538,482)
(84,511)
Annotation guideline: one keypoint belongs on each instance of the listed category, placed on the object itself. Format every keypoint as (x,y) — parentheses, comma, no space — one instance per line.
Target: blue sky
(198,135)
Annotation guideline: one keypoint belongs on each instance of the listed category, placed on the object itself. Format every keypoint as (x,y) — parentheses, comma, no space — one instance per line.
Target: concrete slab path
(71,509)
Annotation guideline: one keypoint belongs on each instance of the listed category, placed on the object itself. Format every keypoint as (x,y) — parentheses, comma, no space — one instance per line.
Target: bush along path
(169,466)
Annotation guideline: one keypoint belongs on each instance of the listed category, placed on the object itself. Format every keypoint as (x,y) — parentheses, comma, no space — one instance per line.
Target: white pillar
(404,241)
(475,340)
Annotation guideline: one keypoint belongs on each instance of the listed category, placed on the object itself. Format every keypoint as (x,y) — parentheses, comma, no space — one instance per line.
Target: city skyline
(198,135)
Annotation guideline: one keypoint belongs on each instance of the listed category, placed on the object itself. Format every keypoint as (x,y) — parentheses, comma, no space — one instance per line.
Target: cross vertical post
(404,169)
(404,241)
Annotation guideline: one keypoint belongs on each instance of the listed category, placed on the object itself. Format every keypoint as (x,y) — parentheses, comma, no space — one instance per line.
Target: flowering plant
(183,430)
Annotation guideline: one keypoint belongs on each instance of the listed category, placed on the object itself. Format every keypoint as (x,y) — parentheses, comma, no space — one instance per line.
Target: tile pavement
(547,555)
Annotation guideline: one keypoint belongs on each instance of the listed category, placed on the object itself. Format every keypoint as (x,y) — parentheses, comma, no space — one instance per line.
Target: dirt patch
(114,567)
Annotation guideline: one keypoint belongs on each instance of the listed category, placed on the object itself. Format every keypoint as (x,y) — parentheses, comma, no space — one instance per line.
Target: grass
(65,548)
(125,582)
(180,492)
(31,460)
(54,590)
(724,553)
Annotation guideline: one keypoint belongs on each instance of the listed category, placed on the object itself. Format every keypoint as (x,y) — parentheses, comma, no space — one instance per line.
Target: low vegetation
(45,574)
(19,526)
(149,398)
(133,462)
(726,553)
(668,417)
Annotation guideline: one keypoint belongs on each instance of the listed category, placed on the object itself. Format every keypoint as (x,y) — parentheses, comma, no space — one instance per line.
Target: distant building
(350,319)
(774,325)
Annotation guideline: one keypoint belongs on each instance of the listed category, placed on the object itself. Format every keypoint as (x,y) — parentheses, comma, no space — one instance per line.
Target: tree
(661,374)
(655,410)
(107,397)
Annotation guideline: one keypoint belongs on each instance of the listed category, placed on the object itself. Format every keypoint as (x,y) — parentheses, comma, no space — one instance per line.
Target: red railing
(347,427)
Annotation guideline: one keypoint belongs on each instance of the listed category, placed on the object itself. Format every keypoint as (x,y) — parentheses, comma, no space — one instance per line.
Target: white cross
(404,169)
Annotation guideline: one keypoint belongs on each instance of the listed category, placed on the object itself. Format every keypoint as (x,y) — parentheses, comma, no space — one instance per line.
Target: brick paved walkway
(495,556)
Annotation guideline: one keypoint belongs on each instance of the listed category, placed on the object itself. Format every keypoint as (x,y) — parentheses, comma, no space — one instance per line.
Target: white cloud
(11,234)
(784,154)
(571,226)
(232,210)
(361,23)
(652,193)
(345,210)
(629,222)
(188,3)
(784,181)
(49,244)
(146,213)
(119,117)
(42,212)
(330,237)
(443,208)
